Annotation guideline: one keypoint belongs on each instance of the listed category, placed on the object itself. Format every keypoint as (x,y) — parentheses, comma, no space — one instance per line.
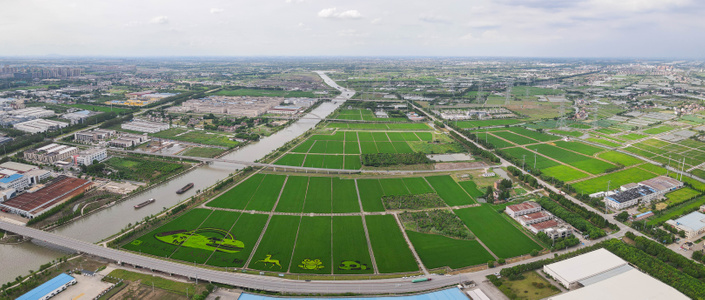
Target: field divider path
(293,251)
(411,246)
(216,248)
(562,163)
(367,233)
(199,226)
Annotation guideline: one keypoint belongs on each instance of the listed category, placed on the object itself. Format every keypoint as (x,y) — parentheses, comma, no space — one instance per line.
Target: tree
(622,217)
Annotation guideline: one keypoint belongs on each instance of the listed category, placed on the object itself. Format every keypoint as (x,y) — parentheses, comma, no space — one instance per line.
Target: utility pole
(608,184)
(535,159)
(523,163)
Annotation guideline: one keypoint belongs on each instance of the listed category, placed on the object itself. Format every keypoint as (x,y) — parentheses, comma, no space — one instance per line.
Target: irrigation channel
(18,260)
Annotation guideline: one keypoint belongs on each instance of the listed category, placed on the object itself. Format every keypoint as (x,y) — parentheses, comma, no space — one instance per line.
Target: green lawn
(202,152)
(389,246)
(503,239)
(438,251)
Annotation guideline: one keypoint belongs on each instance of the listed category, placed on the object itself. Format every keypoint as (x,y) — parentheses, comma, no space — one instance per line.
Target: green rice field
(615,180)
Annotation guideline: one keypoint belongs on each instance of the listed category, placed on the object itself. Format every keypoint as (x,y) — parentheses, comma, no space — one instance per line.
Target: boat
(143,204)
(185,188)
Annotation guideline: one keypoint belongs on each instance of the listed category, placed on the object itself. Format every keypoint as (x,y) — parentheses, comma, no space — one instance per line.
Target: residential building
(51,153)
(87,157)
(521,209)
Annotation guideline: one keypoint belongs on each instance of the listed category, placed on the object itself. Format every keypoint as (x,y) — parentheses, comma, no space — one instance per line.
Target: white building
(17,182)
(627,198)
(521,209)
(145,126)
(571,271)
(86,157)
(51,153)
(32,113)
(625,283)
(39,125)
(533,218)
(693,224)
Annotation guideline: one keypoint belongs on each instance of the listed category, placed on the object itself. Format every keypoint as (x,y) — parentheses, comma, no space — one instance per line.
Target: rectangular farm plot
(247,229)
(410,137)
(314,161)
(495,141)
(385,147)
(438,251)
(515,138)
(396,137)
(313,246)
(534,134)
(620,158)
(503,239)
(267,194)
(615,180)
(334,147)
(402,147)
(350,136)
(365,136)
(352,162)
(471,188)
(318,147)
(198,247)
(294,195)
(393,186)
(304,147)
(425,136)
(352,148)
(351,254)
(345,196)
(380,137)
(333,162)
(582,162)
(274,251)
(390,249)
(449,190)
(532,159)
(371,193)
(564,173)
(318,199)
(579,147)
(240,195)
(417,185)
(165,239)
(291,159)
(368,147)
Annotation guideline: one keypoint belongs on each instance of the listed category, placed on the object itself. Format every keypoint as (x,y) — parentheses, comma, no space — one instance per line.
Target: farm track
(411,246)
(367,232)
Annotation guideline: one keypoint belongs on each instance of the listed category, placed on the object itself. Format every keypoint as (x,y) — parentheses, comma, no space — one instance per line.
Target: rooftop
(48,287)
(523,206)
(692,220)
(11,178)
(533,216)
(631,194)
(19,167)
(586,265)
(662,183)
(447,294)
(545,224)
(631,284)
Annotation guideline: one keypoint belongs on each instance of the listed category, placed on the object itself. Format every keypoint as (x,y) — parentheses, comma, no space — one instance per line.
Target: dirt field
(461,165)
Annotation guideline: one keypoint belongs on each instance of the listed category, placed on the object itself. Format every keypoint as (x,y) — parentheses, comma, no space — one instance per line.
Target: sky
(513,28)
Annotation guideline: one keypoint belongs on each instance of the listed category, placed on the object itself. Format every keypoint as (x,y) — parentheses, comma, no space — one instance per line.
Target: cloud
(431,18)
(351,33)
(376,21)
(159,20)
(217,10)
(294,1)
(332,13)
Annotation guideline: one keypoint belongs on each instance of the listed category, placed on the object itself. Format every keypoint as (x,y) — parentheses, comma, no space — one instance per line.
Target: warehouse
(50,288)
(145,126)
(629,283)
(630,197)
(570,272)
(692,224)
(57,191)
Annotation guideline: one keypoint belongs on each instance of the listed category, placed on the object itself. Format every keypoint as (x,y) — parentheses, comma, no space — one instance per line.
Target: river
(17,260)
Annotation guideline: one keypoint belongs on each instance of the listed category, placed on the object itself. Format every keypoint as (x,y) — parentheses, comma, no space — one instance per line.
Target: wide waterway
(18,260)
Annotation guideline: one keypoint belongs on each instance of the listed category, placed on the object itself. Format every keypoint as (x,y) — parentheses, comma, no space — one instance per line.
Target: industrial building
(87,157)
(128,140)
(643,192)
(32,113)
(145,126)
(51,153)
(79,116)
(50,288)
(234,106)
(571,272)
(39,125)
(693,224)
(533,218)
(59,190)
(521,209)
(17,182)
(623,283)
(92,136)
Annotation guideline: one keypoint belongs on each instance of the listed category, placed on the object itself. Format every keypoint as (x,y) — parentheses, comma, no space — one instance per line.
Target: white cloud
(159,20)
(376,21)
(431,18)
(333,13)
(294,1)
(216,10)
(468,36)
(351,33)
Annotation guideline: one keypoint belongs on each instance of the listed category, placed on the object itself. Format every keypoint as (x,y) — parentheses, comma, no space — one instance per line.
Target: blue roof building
(49,288)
